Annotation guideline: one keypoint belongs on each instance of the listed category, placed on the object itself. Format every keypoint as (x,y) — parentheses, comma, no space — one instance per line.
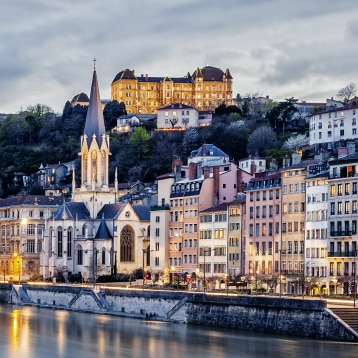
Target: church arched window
(79,255)
(94,165)
(59,241)
(69,241)
(127,244)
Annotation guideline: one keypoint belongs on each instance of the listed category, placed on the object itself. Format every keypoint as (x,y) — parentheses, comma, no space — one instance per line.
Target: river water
(30,332)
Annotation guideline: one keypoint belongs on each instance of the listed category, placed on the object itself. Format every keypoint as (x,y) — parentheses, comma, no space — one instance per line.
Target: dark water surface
(29,332)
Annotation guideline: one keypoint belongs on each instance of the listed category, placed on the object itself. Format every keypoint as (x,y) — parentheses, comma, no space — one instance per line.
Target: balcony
(342,233)
(341,254)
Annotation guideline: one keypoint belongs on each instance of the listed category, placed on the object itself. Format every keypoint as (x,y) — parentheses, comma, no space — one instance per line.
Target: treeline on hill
(38,136)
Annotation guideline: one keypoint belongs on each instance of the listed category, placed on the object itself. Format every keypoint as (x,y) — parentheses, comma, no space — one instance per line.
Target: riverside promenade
(289,316)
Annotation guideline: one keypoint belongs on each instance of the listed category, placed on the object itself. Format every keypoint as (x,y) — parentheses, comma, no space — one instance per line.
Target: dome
(209,73)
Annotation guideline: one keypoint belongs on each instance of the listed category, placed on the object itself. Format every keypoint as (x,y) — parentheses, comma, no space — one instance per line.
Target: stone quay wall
(287,316)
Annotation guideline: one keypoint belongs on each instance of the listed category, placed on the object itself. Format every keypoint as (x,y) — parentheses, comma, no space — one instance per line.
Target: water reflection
(34,332)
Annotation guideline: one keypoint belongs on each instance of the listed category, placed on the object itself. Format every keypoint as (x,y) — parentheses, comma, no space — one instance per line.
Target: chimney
(286,162)
(192,171)
(206,172)
(216,185)
(146,76)
(19,196)
(176,168)
(296,158)
(342,152)
(204,150)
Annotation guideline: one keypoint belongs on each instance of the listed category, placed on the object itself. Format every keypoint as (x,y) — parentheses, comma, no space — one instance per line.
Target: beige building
(23,220)
(205,89)
(293,225)
(236,237)
(263,232)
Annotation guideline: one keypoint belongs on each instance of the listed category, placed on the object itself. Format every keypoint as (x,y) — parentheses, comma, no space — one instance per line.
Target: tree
(346,93)
(296,142)
(111,112)
(281,114)
(262,139)
(140,139)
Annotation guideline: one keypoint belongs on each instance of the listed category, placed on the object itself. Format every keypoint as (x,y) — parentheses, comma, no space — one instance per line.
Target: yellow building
(205,89)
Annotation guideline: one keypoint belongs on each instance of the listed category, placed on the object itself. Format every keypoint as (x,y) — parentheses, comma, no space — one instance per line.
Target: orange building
(205,89)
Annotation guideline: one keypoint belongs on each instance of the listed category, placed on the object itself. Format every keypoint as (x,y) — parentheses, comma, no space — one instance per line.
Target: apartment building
(177,116)
(23,220)
(209,179)
(333,125)
(205,89)
(263,230)
(213,245)
(236,237)
(293,224)
(317,276)
(342,221)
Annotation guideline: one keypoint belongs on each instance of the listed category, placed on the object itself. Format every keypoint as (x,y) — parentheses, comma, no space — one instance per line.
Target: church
(94,234)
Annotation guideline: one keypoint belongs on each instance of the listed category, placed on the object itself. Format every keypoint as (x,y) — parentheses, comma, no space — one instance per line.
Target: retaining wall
(308,318)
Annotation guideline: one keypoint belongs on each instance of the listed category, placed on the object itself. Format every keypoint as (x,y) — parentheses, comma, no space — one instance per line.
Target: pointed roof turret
(103,231)
(94,120)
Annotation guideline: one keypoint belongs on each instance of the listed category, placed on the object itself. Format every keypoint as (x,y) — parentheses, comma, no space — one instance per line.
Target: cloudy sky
(305,49)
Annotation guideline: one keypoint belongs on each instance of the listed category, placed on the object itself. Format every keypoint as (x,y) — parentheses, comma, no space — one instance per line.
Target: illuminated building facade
(205,90)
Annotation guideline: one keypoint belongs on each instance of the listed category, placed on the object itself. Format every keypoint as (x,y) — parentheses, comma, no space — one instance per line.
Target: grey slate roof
(110,211)
(142,211)
(31,200)
(103,232)
(94,119)
(72,211)
(210,150)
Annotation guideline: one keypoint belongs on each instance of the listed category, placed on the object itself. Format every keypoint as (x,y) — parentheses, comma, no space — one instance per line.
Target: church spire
(94,120)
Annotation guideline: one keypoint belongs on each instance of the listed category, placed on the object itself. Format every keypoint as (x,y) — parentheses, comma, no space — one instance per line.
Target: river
(30,332)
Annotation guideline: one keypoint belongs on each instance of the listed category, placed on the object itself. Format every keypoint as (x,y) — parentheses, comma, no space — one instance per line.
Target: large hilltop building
(205,89)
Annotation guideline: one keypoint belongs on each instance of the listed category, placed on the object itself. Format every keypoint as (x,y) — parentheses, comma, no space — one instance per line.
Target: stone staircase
(348,315)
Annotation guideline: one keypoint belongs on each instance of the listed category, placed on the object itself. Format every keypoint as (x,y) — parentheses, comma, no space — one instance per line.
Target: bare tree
(261,139)
(296,142)
(346,93)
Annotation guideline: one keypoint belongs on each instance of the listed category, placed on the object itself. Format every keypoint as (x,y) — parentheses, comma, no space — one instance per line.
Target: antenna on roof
(94,63)
(207,60)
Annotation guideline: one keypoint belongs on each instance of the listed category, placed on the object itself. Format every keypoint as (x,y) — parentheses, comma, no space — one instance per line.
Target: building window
(30,246)
(103,254)
(333,190)
(69,242)
(79,255)
(31,229)
(127,245)
(59,243)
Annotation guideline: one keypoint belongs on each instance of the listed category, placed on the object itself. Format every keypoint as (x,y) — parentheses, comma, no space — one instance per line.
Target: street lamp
(335,280)
(145,251)
(17,258)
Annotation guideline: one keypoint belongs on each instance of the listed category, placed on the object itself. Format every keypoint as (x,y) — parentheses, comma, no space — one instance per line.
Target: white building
(177,116)
(342,221)
(316,238)
(253,165)
(213,245)
(333,125)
